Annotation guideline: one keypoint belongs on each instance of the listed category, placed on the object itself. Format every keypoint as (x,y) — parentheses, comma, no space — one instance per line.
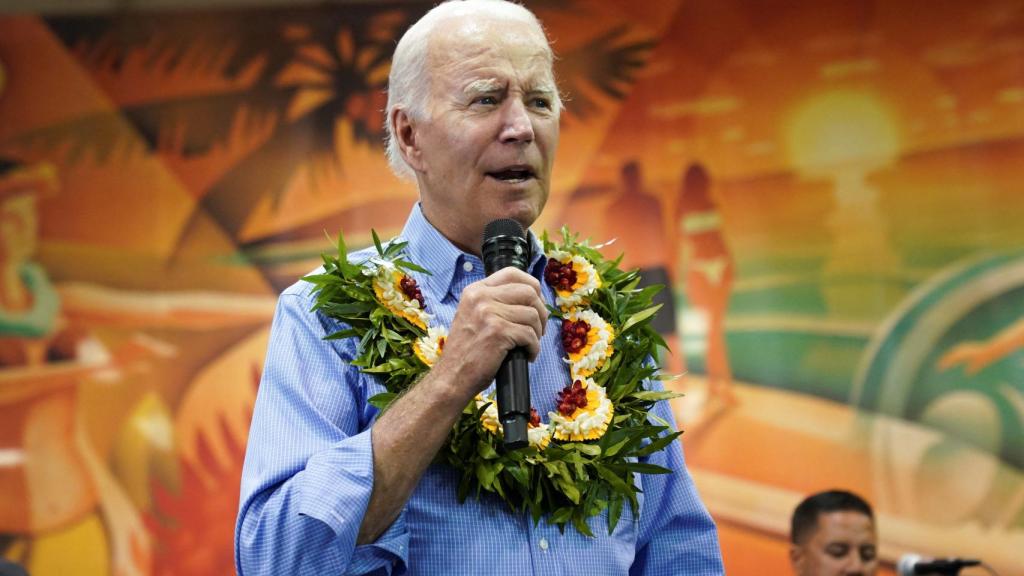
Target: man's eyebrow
(483,86)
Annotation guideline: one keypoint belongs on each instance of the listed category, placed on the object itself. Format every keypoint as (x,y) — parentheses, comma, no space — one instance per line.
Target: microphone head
(503,227)
(905,567)
(504,245)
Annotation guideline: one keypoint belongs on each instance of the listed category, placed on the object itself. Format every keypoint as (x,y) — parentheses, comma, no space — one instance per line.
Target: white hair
(409,80)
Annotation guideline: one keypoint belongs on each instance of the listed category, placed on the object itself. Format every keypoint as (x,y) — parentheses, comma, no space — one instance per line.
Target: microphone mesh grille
(504,227)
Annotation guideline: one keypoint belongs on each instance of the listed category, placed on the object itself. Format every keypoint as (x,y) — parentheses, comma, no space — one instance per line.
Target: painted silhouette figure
(635,218)
(56,493)
(707,269)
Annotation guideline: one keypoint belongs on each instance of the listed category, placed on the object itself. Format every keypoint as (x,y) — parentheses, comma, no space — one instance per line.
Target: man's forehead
(459,40)
(844,522)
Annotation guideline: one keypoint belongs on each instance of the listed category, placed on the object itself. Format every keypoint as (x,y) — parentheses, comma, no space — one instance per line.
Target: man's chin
(524,214)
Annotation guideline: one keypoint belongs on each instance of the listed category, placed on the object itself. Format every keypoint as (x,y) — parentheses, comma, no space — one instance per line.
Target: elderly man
(833,534)
(330,488)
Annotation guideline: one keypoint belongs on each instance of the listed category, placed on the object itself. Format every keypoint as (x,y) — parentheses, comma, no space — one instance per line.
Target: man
(833,533)
(330,488)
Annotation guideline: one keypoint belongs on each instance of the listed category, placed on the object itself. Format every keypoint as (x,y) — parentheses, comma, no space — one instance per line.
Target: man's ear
(796,558)
(404,128)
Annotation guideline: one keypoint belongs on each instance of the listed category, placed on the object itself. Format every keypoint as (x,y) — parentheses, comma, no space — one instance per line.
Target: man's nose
(855,567)
(517,126)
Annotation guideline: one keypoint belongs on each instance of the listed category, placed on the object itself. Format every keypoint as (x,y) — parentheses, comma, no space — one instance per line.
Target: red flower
(574,335)
(412,291)
(560,276)
(534,418)
(572,397)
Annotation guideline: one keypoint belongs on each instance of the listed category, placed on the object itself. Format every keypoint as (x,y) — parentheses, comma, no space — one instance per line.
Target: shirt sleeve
(308,472)
(677,535)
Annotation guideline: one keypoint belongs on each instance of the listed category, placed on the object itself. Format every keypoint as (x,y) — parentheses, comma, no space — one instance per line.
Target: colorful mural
(832,192)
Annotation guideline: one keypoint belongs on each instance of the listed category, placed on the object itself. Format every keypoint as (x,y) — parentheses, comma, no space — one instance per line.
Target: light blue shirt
(309,466)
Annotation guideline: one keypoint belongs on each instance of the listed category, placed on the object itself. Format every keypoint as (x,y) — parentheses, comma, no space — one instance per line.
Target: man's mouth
(513,174)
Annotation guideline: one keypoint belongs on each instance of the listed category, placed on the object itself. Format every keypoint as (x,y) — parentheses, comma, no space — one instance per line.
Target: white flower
(587,280)
(587,423)
(539,436)
(489,418)
(597,347)
(387,287)
(428,347)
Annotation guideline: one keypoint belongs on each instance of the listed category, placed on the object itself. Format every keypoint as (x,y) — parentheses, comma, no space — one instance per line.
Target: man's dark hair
(805,517)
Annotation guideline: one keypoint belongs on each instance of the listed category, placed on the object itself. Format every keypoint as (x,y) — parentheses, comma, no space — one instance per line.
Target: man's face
(844,544)
(485,147)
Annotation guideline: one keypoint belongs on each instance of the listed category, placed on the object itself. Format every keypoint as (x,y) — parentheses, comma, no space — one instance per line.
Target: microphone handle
(514,401)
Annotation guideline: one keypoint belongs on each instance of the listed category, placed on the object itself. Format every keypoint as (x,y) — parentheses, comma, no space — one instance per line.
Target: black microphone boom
(911,564)
(504,245)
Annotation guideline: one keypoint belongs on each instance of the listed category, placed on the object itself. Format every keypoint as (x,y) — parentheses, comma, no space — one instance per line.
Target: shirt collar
(431,250)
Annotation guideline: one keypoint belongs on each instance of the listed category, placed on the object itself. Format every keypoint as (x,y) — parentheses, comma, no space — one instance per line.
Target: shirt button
(543,544)
(467,266)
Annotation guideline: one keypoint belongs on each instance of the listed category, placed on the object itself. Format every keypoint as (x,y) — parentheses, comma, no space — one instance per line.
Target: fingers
(513,276)
(514,302)
(495,315)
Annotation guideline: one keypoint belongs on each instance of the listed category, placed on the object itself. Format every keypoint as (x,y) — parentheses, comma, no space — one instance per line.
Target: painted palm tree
(314,66)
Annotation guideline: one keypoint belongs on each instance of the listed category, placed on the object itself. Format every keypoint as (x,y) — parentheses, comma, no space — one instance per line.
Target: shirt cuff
(388,555)
(338,484)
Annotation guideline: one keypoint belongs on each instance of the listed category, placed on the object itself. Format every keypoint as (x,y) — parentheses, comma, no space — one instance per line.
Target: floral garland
(580,462)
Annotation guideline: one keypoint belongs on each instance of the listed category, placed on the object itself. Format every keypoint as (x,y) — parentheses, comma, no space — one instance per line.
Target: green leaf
(657,445)
(486,451)
(614,513)
(659,420)
(581,524)
(520,474)
(561,515)
(656,395)
(639,317)
(401,263)
(568,487)
(342,249)
(376,242)
(382,400)
(341,334)
(614,449)
(485,473)
(617,483)
(645,468)
(588,449)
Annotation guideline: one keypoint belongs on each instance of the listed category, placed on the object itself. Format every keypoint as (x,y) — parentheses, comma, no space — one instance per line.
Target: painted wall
(833,191)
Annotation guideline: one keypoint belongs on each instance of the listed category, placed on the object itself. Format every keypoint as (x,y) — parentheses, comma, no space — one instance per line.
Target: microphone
(505,245)
(911,564)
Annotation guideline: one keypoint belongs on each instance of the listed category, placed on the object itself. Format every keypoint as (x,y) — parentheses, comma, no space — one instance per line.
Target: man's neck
(460,241)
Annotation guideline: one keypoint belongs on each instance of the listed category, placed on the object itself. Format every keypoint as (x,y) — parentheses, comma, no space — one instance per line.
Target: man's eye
(868,553)
(486,100)
(837,551)
(542,103)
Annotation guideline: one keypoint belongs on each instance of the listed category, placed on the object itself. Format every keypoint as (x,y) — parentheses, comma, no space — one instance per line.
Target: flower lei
(579,463)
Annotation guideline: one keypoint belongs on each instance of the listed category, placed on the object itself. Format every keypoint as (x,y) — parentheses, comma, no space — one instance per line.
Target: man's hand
(495,315)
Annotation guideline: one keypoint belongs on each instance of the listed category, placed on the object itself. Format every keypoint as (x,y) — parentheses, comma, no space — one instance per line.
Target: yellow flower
(587,422)
(572,277)
(428,347)
(587,339)
(398,293)
(539,436)
(489,417)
